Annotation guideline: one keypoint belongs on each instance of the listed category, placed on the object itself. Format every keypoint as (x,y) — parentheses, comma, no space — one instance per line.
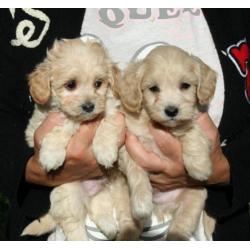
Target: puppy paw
(77,235)
(176,236)
(108,226)
(199,168)
(200,174)
(142,205)
(128,230)
(179,232)
(52,159)
(106,152)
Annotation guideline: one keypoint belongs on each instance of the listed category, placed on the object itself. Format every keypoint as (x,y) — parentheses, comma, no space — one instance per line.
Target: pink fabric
(94,186)
(165,197)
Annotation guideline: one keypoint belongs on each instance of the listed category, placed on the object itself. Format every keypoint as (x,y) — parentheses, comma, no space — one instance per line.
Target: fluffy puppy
(77,78)
(167,88)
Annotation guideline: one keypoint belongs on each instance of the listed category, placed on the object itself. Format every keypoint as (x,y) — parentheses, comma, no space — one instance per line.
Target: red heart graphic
(240,55)
(248,86)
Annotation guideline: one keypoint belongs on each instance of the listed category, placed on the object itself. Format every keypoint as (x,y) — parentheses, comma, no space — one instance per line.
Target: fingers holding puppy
(170,173)
(144,158)
(165,174)
(80,161)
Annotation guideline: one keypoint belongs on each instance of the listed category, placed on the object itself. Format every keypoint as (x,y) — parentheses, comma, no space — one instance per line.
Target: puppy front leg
(69,204)
(187,215)
(196,153)
(53,147)
(139,186)
(105,142)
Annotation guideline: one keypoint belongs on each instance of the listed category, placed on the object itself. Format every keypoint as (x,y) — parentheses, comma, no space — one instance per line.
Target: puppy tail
(40,226)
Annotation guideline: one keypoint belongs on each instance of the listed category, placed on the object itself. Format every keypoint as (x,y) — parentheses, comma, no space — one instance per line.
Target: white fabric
(185,28)
(154,230)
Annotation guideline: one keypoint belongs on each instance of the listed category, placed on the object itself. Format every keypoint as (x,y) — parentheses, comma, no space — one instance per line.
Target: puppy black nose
(88,107)
(171,111)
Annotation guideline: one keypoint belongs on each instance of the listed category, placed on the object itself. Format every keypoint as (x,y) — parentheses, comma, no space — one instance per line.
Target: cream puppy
(77,78)
(167,88)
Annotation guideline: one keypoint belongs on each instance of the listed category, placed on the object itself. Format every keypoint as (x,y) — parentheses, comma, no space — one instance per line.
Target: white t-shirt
(132,33)
(127,32)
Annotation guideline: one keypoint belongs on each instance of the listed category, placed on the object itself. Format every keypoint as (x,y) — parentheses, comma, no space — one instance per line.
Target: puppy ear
(207,82)
(96,45)
(129,89)
(39,83)
(115,78)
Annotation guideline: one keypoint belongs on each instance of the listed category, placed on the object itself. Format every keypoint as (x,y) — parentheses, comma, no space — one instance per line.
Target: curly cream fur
(84,63)
(167,67)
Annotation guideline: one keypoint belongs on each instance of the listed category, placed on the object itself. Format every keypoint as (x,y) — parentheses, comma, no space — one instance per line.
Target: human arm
(171,173)
(80,163)
(228,186)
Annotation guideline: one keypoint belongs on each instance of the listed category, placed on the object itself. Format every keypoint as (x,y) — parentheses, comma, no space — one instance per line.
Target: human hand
(170,173)
(80,163)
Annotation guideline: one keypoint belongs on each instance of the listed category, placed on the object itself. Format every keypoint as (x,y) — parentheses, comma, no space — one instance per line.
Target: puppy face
(74,78)
(168,84)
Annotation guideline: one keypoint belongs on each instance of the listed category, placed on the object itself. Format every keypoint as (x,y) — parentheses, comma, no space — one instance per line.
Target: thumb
(145,159)
(166,142)
(135,147)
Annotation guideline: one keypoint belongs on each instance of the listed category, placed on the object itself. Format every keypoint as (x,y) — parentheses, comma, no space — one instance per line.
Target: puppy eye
(184,86)
(71,85)
(154,88)
(98,83)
